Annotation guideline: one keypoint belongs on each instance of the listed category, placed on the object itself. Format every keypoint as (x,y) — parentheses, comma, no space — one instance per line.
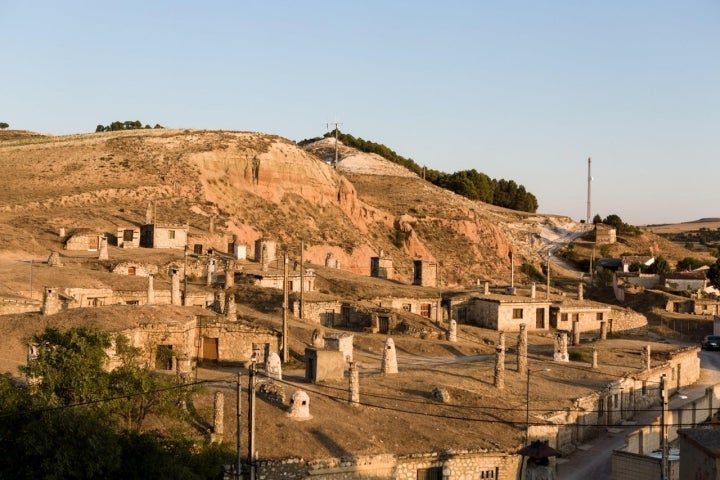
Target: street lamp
(527,402)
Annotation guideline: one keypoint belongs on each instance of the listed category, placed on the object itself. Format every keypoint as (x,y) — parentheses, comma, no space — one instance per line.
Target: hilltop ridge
(255,185)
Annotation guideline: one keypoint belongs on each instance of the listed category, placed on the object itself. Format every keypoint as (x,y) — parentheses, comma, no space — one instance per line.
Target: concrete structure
(128,236)
(341,342)
(381,267)
(697,306)
(354,385)
(425,273)
(322,365)
(331,261)
(164,235)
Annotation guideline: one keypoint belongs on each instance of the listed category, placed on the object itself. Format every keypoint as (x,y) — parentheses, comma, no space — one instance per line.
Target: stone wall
(412,304)
(453,466)
(565,430)
(323,313)
(10,306)
(627,321)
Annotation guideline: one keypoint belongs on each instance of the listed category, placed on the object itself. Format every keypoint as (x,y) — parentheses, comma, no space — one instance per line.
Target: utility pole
(589,180)
(547,289)
(336,124)
(31,292)
(238,467)
(185,302)
(302,278)
(251,417)
(285,352)
(664,473)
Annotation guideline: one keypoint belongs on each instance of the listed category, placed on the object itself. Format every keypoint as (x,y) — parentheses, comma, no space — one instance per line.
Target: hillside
(257,185)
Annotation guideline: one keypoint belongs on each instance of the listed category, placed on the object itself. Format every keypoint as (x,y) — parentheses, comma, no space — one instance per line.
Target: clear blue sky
(522,90)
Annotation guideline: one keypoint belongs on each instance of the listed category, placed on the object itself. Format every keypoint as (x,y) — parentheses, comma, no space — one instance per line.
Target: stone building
(425,273)
(265,250)
(685,281)
(505,313)
(128,236)
(381,267)
(586,314)
(82,240)
(605,234)
(154,235)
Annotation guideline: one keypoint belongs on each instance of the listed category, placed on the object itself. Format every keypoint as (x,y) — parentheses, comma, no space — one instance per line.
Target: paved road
(593,460)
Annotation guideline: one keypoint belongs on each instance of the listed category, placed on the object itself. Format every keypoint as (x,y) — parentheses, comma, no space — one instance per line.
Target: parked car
(711,342)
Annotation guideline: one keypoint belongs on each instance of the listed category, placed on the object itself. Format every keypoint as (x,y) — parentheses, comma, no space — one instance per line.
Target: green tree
(597,219)
(4,125)
(71,365)
(614,221)
(659,266)
(713,273)
(690,263)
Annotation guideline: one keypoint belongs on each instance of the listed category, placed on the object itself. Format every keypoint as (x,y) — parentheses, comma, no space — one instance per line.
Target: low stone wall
(451,465)
(14,306)
(627,321)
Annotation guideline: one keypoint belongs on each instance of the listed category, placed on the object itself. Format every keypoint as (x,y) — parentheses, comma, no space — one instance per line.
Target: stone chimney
(486,288)
(580,291)
(532,291)
(389,359)
(54,259)
(522,349)
(318,339)
(354,386)
(561,348)
(273,366)
(646,357)
(230,275)
(151,290)
(212,224)
(61,233)
(230,307)
(218,417)
(51,301)
(103,250)
(175,298)
(300,406)
(499,378)
(452,331)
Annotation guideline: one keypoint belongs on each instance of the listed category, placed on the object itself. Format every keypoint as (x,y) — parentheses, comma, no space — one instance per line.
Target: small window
(425,310)
(489,474)
(563,317)
(434,473)
(127,235)
(517,313)
(575,317)
(599,316)
(407,307)
(171,234)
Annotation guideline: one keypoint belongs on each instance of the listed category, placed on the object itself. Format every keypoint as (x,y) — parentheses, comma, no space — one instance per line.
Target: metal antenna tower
(337,125)
(587,219)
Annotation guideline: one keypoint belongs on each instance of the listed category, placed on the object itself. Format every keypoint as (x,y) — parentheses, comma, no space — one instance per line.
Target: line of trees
(74,419)
(468,183)
(126,125)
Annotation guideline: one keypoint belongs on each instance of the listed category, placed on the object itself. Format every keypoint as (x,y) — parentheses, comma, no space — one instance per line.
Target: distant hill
(255,185)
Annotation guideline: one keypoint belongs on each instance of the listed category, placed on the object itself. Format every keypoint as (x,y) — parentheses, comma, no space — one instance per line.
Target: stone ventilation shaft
(318,340)
(218,417)
(51,301)
(273,366)
(175,287)
(646,357)
(230,307)
(103,250)
(389,359)
(354,385)
(561,348)
(150,290)
(300,406)
(499,378)
(452,331)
